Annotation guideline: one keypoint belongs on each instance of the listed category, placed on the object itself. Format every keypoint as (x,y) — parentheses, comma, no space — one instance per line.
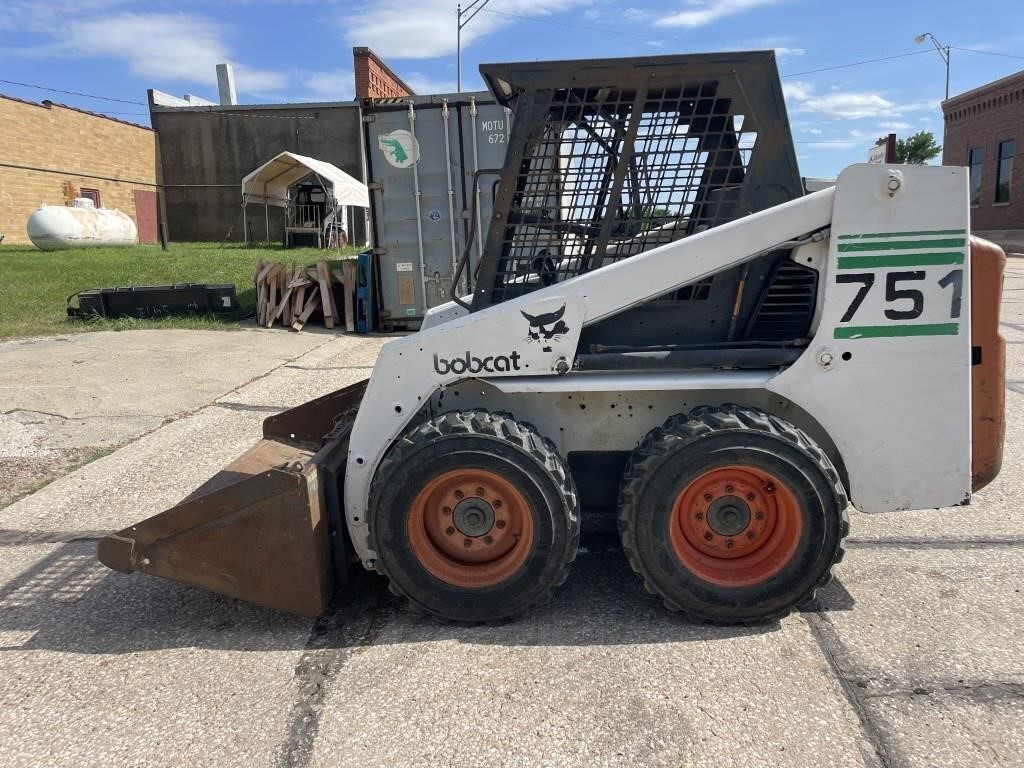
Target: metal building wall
(205,152)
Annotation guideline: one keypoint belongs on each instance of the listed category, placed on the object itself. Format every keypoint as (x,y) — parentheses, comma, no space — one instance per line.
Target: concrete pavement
(68,399)
(914,656)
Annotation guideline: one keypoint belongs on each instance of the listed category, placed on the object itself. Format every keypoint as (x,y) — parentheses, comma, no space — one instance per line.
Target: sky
(300,50)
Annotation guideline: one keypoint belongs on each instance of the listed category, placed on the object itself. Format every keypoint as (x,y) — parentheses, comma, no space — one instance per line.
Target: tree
(917,149)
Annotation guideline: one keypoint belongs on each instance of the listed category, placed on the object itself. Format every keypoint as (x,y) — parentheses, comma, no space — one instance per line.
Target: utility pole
(469,12)
(943,52)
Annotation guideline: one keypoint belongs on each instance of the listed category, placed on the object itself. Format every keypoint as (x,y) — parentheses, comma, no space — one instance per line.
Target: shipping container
(422,154)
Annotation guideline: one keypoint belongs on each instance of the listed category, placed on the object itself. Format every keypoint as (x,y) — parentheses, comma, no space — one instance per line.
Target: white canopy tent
(270,183)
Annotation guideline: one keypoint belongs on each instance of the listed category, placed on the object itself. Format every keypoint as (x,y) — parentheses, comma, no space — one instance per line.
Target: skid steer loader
(662,324)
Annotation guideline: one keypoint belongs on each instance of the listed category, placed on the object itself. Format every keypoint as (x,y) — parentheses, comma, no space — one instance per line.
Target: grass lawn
(34,284)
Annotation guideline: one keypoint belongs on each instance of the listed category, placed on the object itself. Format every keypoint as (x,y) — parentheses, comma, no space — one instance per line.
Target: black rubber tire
(672,456)
(481,440)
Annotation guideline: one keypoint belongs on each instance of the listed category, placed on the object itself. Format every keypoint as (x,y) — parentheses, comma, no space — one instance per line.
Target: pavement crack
(980,690)
(41,413)
(330,367)
(924,542)
(352,623)
(14,538)
(250,407)
(885,752)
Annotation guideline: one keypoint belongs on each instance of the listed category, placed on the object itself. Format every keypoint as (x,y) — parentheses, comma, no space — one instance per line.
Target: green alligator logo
(396,148)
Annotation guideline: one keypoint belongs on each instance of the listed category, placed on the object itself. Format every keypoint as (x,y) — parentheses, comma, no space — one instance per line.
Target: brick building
(984,131)
(51,153)
(374,79)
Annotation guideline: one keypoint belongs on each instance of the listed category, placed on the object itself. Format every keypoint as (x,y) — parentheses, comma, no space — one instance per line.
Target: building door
(145,215)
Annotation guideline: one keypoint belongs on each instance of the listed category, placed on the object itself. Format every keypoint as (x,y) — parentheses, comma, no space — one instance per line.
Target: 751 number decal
(906,302)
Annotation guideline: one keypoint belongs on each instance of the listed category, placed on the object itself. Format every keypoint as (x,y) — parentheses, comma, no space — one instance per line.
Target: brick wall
(374,80)
(984,117)
(81,147)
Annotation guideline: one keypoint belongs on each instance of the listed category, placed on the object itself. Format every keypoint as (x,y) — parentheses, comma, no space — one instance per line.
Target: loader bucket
(268,526)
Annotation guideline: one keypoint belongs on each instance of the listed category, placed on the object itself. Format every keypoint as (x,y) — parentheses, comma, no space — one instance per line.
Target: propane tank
(80,225)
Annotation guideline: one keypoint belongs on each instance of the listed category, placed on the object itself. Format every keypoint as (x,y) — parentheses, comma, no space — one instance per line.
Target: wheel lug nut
(700,515)
(467,543)
(750,497)
(709,536)
(480,491)
(728,489)
(759,515)
(708,497)
(728,543)
(770,488)
(488,540)
(450,531)
(500,523)
(447,510)
(750,534)
(497,503)
(459,494)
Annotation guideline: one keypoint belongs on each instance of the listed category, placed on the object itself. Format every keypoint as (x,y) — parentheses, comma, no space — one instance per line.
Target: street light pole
(943,52)
(469,12)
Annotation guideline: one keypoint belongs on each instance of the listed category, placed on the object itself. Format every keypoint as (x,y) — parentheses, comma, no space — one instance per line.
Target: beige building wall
(49,152)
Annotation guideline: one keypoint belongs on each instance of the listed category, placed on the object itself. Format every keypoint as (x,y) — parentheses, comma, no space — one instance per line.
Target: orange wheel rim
(470,528)
(735,526)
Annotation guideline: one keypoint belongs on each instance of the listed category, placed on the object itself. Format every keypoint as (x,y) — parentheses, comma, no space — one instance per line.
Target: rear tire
(731,515)
(474,517)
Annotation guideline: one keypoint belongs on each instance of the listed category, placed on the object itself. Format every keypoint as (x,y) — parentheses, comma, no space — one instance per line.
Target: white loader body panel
(885,383)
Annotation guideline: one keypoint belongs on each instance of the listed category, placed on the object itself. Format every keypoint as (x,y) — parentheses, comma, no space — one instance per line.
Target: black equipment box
(151,301)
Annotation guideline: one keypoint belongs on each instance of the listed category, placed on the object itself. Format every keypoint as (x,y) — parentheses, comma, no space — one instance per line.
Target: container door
(421,168)
(485,130)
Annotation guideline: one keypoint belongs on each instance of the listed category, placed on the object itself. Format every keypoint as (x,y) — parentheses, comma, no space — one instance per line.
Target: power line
(987,53)
(195,108)
(856,63)
(72,93)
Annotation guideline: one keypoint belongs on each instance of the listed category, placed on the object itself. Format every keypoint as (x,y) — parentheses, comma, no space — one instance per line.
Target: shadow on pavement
(66,601)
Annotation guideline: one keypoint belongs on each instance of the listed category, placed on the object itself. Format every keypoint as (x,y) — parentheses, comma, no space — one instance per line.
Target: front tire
(474,517)
(731,515)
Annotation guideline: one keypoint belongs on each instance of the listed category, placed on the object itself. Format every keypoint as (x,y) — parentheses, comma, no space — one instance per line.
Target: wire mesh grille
(610,173)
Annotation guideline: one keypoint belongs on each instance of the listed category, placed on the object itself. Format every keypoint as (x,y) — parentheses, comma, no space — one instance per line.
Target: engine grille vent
(786,308)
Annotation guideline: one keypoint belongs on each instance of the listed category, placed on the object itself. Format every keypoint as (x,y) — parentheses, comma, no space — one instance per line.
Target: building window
(1004,171)
(974,161)
(92,194)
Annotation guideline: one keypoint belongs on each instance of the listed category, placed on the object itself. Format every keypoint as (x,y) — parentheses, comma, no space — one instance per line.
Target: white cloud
(894,126)
(426,85)
(158,46)
(796,90)
(851,105)
(163,46)
(702,12)
(636,14)
(813,131)
(840,144)
(783,51)
(34,16)
(395,30)
(332,85)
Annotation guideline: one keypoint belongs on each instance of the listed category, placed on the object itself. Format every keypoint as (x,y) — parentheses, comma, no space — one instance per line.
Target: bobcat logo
(547,326)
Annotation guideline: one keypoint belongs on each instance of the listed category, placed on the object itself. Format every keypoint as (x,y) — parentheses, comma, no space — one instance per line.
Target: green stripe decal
(922,233)
(887,331)
(937,258)
(902,245)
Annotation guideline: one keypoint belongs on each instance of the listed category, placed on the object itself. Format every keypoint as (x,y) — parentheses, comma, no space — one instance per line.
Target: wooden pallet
(293,294)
